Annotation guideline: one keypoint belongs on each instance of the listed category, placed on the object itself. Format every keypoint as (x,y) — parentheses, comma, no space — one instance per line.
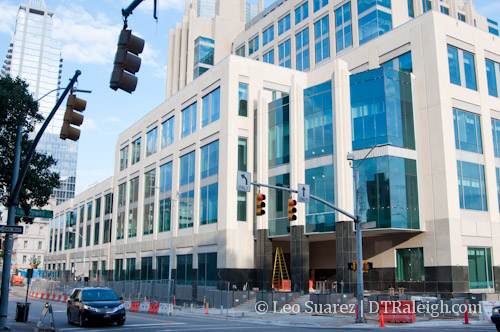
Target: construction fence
(133,290)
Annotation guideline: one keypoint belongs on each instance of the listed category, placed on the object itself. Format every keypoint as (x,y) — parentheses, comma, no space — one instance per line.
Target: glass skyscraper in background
(36,57)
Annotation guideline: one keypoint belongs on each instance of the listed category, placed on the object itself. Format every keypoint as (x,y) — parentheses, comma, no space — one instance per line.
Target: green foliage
(17,107)
(33,260)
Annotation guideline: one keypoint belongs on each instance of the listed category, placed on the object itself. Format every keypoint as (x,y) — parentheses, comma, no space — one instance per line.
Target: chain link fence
(133,290)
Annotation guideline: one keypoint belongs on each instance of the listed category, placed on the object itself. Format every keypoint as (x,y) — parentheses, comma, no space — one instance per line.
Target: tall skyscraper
(35,56)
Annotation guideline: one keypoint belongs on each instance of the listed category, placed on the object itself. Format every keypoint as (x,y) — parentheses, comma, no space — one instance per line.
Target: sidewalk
(24,327)
(317,321)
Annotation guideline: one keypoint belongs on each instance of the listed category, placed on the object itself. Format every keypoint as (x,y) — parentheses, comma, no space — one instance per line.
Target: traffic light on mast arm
(73,118)
(127,62)
(261,204)
(292,210)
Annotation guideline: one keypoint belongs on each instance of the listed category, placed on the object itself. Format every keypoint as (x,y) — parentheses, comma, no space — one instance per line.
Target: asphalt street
(187,322)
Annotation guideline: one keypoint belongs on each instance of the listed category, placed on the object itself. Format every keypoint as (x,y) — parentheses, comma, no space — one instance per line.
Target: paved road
(145,322)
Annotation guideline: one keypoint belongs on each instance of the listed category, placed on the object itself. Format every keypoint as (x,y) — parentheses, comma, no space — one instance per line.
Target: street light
(359,239)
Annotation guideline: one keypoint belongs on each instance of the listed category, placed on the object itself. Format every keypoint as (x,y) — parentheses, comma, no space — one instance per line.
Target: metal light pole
(17,181)
(359,237)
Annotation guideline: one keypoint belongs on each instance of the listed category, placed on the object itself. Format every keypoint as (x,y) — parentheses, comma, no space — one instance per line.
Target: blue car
(495,317)
(96,305)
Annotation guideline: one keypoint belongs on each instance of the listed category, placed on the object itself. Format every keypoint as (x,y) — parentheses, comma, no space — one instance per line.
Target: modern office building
(410,88)
(35,56)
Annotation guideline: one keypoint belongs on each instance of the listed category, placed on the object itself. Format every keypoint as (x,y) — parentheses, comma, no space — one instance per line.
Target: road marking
(125,327)
(216,328)
(152,319)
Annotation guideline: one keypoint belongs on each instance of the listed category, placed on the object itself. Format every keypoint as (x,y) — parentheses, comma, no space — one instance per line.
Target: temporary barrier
(153,308)
(134,306)
(165,309)
(127,304)
(398,311)
(144,307)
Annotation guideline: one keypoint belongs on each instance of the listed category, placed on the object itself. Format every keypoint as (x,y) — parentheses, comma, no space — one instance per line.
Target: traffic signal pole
(13,201)
(347,214)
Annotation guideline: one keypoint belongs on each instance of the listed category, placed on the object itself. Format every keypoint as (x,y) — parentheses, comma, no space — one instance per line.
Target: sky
(88,31)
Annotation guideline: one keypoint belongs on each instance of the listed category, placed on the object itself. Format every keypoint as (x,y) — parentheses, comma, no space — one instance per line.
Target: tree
(34,261)
(17,107)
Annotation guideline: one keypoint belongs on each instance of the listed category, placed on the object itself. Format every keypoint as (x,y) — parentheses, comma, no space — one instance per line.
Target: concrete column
(183,51)
(170,65)
(299,259)
(264,246)
(344,227)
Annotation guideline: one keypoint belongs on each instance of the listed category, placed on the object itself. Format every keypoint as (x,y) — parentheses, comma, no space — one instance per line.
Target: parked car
(95,305)
(495,317)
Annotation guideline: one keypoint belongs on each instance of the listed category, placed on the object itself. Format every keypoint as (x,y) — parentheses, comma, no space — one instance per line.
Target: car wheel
(69,318)
(120,322)
(80,320)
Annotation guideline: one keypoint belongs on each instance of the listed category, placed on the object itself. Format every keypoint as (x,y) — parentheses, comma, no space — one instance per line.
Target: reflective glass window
(167,132)
(302,49)
(318,4)
(253,45)
(343,27)
(319,217)
(284,25)
(211,107)
(188,120)
(492,73)
(284,54)
(151,137)
(279,132)
(318,127)
(302,12)
(471,186)
(269,57)
(322,39)
(268,35)
(467,131)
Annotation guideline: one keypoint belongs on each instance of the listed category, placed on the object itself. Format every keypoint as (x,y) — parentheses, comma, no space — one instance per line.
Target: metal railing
(134,290)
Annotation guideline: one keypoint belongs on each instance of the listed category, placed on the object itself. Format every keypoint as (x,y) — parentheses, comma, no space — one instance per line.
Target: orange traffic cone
(381,318)
(206,310)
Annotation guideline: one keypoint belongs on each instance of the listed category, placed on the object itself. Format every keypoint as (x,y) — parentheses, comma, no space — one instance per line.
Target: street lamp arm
(368,153)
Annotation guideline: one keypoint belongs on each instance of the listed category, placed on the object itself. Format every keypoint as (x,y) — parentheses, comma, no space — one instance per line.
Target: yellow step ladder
(281,279)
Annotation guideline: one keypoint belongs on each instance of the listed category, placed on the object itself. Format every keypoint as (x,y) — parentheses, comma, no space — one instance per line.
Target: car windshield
(99,295)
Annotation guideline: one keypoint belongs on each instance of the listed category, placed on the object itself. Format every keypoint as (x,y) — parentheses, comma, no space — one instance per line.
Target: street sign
(304,193)
(34,213)
(11,229)
(243,183)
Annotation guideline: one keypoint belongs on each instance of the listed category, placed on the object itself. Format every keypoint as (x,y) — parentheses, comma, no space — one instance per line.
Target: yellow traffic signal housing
(367,266)
(261,204)
(352,266)
(292,210)
(72,118)
(127,62)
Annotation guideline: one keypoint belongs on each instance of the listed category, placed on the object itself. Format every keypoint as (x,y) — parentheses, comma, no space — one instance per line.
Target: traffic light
(367,266)
(261,204)
(292,209)
(73,118)
(127,62)
(352,266)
